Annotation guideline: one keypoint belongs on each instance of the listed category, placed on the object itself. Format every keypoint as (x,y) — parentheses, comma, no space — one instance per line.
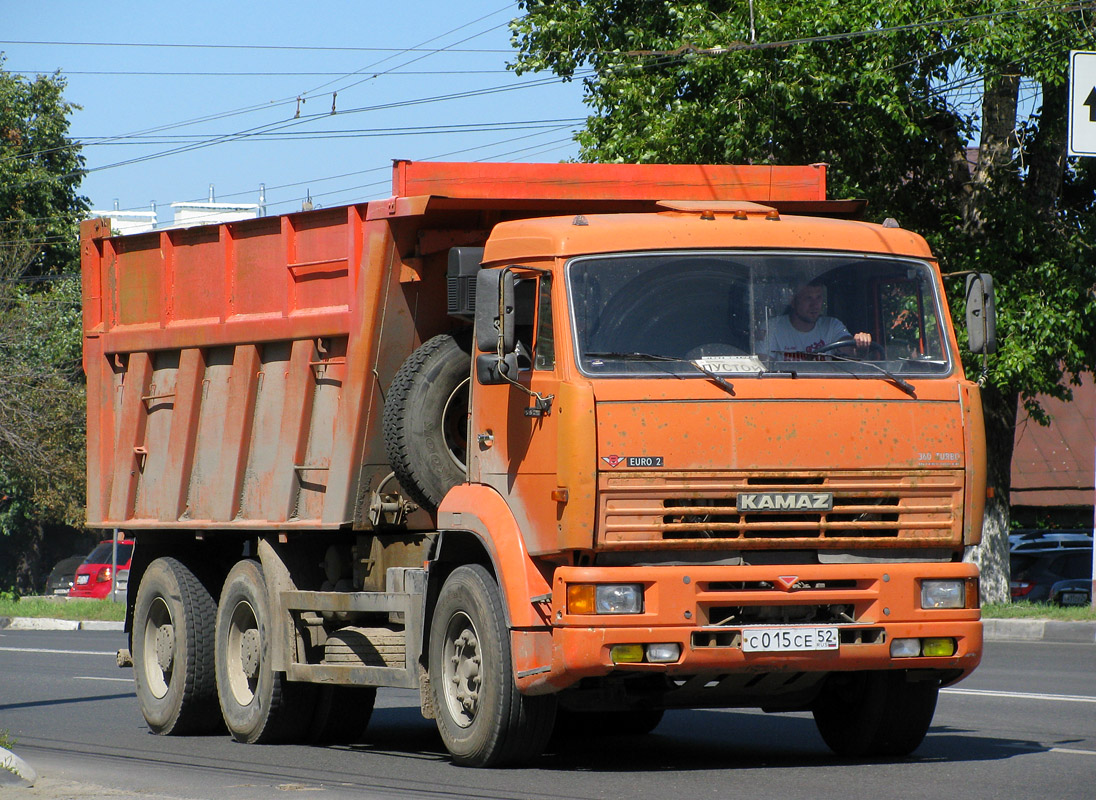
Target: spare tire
(426,418)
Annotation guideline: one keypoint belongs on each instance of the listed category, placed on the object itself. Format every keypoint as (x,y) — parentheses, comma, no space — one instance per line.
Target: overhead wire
(292,99)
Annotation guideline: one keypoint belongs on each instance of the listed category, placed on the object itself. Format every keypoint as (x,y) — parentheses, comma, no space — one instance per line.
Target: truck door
(513,444)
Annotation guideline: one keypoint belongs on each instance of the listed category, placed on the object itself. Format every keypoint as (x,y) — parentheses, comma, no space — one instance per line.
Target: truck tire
(483,720)
(173,650)
(258,704)
(426,418)
(875,714)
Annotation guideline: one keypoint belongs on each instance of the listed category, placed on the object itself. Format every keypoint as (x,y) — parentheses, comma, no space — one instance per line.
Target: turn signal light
(104,575)
(580,598)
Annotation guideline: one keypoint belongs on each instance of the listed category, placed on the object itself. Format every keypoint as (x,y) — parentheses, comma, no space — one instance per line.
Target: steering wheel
(874,348)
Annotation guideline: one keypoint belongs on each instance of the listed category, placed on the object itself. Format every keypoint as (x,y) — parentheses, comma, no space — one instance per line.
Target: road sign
(1082,103)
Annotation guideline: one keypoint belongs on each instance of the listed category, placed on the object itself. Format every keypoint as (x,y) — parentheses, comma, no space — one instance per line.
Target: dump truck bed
(236,371)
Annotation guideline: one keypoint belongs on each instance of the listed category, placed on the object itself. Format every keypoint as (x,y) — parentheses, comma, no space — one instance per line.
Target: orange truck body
(237,376)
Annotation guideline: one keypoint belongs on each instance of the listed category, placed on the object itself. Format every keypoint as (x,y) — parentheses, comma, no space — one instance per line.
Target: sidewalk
(995,630)
(44,624)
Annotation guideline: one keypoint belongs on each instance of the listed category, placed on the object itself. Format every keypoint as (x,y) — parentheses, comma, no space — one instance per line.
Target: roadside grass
(60,608)
(1025,610)
(7,742)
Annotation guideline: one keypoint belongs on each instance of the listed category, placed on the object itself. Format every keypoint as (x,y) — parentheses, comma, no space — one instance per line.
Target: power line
(276,47)
(412,49)
(290,122)
(264,74)
(294,99)
(418,130)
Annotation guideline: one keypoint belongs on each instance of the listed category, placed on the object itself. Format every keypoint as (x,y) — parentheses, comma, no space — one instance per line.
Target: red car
(93,577)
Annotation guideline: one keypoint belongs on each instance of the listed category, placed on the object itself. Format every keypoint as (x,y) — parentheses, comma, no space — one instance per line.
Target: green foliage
(41,383)
(40,170)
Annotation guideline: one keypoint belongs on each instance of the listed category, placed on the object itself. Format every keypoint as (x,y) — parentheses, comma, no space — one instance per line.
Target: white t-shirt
(783,342)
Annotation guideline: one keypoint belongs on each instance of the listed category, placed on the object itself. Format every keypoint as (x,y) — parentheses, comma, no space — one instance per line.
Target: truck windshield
(749,314)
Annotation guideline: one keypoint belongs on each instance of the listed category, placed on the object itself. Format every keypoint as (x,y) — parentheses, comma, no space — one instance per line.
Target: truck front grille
(869,510)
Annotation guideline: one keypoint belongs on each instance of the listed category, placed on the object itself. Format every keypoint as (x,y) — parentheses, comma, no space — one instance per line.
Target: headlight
(608,598)
(943,594)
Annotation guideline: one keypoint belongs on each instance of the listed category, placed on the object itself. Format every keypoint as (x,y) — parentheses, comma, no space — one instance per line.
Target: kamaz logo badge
(784,501)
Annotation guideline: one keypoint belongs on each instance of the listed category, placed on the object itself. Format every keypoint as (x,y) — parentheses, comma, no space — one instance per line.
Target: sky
(178,96)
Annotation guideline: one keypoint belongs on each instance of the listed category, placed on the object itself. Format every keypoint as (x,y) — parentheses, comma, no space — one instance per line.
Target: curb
(44,624)
(1038,630)
(14,771)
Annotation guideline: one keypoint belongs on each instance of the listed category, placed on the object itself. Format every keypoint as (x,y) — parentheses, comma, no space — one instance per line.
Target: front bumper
(706,609)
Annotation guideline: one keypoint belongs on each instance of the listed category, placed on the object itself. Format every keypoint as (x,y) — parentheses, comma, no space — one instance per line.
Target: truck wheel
(173,650)
(257,703)
(483,720)
(875,714)
(426,418)
(341,714)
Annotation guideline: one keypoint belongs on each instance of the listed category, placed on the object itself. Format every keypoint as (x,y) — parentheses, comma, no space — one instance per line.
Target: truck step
(371,647)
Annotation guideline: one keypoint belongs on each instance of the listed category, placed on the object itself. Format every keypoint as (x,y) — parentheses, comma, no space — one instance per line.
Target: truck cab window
(533,323)
(544,352)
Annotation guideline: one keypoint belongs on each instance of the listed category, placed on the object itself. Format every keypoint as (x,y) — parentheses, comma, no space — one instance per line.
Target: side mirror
(495,311)
(981,314)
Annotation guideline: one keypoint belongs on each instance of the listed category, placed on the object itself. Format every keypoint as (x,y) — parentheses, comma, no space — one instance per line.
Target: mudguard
(482,511)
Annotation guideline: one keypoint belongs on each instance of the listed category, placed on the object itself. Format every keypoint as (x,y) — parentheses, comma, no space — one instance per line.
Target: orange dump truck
(541,442)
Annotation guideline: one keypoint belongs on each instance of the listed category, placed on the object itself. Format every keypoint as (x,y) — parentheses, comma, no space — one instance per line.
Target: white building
(127,222)
(190,214)
(185,214)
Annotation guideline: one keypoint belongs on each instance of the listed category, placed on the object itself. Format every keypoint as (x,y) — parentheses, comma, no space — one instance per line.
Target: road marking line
(58,652)
(94,678)
(1065,698)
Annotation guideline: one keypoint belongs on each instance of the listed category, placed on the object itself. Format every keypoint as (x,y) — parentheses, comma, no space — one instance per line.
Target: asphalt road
(1024,725)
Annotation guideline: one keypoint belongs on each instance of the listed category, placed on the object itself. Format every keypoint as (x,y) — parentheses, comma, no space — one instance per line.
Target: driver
(804,329)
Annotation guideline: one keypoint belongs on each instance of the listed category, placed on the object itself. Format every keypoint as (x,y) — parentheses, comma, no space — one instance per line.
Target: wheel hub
(462,676)
(165,647)
(249,653)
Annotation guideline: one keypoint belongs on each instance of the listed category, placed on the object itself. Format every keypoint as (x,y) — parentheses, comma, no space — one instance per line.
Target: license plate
(1074,599)
(82,579)
(783,640)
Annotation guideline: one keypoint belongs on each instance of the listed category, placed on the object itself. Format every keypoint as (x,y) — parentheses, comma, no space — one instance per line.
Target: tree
(40,168)
(883,93)
(41,383)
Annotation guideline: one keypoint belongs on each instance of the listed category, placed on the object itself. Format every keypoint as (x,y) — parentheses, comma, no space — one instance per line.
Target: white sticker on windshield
(731,364)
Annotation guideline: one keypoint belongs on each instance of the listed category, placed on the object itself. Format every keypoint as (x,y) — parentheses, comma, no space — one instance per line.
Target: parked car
(63,575)
(1040,559)
(93,577)
(1075,592)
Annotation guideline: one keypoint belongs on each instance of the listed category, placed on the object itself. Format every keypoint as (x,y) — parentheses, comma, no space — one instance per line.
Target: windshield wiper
(719,380)
(905,386)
